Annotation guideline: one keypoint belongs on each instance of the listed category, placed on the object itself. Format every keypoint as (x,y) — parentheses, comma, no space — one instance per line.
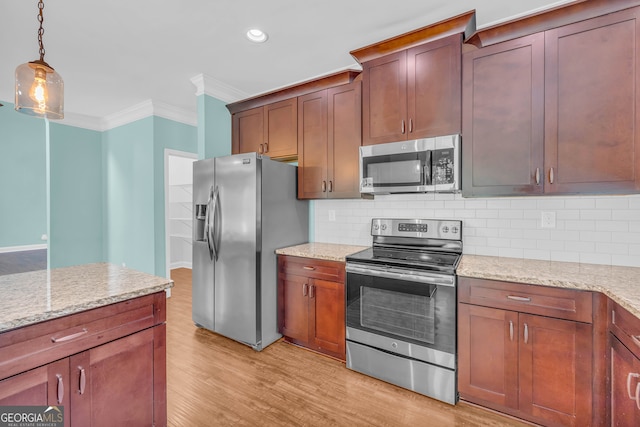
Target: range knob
(445,229)
(454,230)
(376,226)
(384,226)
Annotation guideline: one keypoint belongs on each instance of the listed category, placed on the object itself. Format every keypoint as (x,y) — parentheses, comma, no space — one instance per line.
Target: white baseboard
(25,248)
(180,264)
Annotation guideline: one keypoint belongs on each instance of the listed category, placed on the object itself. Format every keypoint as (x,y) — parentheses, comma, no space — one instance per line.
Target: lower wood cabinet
(513,358)
(624,367)
(311,304)
(113,369)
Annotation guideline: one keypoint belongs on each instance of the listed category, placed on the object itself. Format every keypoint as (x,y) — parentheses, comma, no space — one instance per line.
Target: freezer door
(237,241)
(203,267)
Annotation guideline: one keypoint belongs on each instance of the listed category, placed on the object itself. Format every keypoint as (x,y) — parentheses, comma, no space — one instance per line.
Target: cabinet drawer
(625,326)
(543,300)
(35,345)
(313,268)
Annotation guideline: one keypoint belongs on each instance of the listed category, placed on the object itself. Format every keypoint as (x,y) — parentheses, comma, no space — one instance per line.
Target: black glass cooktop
(421,259)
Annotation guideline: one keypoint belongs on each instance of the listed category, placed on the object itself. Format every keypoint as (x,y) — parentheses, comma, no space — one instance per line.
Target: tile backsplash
(588,229)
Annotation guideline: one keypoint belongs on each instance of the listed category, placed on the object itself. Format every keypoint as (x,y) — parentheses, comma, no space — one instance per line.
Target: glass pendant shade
(39,90)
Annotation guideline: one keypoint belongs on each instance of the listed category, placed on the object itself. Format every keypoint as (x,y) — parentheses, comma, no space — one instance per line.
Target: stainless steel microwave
(417,166)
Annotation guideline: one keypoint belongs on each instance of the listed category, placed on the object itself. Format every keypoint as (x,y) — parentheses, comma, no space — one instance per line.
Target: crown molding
(206,85)
(146,109)
(177,114)
(82,121)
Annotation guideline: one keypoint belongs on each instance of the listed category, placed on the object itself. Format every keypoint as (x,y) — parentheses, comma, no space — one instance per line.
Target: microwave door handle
(428,173)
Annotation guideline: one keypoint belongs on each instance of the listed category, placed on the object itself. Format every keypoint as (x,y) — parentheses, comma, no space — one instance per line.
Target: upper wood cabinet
(268,123)
(411,84)
(414,93)
(329,137)
(555,112)
(503,118)
(270,130)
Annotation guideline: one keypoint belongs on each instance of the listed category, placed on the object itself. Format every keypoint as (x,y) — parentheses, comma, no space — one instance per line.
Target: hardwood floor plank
(214,381)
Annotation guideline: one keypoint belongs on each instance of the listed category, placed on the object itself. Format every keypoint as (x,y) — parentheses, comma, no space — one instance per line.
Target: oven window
(397,313)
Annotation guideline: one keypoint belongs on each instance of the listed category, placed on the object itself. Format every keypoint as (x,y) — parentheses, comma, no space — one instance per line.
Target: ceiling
(115,54)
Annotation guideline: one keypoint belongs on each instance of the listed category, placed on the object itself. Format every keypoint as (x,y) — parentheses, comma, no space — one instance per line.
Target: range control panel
(421,228)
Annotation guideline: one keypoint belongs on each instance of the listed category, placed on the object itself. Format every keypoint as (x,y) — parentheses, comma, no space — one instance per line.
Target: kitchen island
(90,339)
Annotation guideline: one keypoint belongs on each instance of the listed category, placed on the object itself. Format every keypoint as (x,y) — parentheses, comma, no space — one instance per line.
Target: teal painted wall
(76,234)
(174,136)
(128,193)
(214,128)
(23,188)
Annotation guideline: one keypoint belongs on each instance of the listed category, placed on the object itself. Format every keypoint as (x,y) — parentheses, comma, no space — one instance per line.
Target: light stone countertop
(328,251)
(621,284)
(28,298)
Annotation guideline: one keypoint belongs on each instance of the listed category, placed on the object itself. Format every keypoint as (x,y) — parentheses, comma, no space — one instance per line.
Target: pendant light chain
(40,30)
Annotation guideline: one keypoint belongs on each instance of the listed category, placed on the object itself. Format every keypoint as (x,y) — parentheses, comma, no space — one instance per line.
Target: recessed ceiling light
(257,36)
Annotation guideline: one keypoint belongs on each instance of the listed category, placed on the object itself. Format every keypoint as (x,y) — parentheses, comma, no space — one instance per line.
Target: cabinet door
(384,96)
(312,146)
(503,118)
(326,314)
(434,74)
(294,307)
(592,105)
(555,370)
(44,386)
(248,131)
(625,385)
(488,355)
(113,384)
(344,140)
(281,127)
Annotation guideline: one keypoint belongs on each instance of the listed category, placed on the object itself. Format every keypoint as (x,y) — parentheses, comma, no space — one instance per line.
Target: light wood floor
(214,381)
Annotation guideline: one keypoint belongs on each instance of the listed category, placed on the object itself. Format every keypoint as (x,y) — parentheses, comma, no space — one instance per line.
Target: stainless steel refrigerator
(245,208)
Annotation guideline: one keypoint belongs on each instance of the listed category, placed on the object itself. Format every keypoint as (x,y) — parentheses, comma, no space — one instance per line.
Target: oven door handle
(389,273)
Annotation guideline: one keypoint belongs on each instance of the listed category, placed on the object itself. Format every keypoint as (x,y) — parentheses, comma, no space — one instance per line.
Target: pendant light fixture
(39,88)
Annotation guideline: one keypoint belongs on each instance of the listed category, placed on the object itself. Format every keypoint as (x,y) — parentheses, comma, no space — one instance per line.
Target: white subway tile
(474,240)
(523,244)
(634,250)
(550,245)
(634,226)
(551,203)
(498,242)
(612,226)
(612,248)
(537,254)
(524,204)
(565,256)
(626,215)
(626,260)
(510,252)
(579,203)
(580,247)
(568,214)
(595,236)
(454,204)
(625,237)
(487,232)
(487,251)
(565,235)
(612,202)
(474,223)
(634,202)
(510,214)
(590,258)
(528,224)
(495,223)
(596,214)
(475,204)
(498,204)
(537,234)
(462,213)
(579,225)
(444,213)
(510,233)
(487,213)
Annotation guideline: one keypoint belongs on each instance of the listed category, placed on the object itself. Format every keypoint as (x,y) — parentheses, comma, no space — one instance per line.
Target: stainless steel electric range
(401,305)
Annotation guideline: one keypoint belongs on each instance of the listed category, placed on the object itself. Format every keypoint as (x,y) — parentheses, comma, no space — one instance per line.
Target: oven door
(408,312)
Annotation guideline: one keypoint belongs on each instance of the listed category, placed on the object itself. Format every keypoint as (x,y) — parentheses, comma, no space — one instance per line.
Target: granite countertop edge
(616,282)
(318,250)
(78,308)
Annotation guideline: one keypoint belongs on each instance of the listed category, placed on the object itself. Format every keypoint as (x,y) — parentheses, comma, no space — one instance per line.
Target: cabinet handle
(516,298)
(637,399)
(537,176)
(636,340)
(511,330)
(260,149)
(311,291)
(307,267)
(305,290)
(403,127)
(324,186)
(60,390)
(526,333)
(410,125)
(629,377)
(551,176)
(330,186)
(69,337)
(266,147)
(83,380)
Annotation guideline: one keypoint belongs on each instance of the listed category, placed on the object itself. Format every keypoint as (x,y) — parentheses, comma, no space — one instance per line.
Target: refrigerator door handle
(216,223)
(207,224)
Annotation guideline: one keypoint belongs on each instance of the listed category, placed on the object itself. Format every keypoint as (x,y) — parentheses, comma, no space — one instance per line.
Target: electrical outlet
(332,215)
(548,220)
